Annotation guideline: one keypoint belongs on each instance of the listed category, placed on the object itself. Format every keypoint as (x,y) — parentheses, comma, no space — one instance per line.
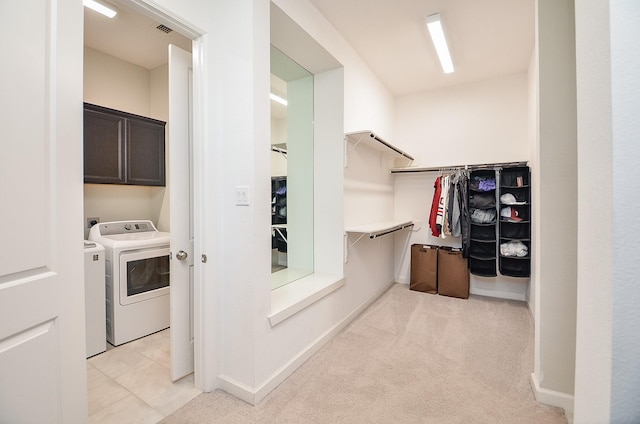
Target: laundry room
(125,69)
(126,134)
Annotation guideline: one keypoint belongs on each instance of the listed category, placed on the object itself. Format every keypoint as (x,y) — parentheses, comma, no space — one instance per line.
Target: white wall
(595,221)
(481,122)
(114,83)
(555,209)
(243,351)
(607,343)
(625,41)
(532,129)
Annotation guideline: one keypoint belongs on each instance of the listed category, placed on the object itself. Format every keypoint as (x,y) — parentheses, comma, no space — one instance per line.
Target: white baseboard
(253,396)
(237,389)
(553,398)
(500,294)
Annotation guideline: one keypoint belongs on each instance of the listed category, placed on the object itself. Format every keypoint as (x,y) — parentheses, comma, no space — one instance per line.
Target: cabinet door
(103,148)
(145,153)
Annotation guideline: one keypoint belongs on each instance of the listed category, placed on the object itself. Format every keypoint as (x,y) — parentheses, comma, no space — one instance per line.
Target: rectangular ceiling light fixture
(278,99)
(101,7)
(437,35)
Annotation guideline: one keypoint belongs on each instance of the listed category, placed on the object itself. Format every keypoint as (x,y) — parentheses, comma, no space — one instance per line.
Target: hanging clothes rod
(402,227)
(457,167)
(278,149)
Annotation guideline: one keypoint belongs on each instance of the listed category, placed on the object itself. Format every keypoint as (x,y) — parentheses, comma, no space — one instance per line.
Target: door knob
(181,255)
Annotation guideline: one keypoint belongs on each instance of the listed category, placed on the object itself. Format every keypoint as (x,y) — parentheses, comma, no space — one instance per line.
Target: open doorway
(126,69)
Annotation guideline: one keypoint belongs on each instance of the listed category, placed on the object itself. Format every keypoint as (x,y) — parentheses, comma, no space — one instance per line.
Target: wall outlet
(92,221)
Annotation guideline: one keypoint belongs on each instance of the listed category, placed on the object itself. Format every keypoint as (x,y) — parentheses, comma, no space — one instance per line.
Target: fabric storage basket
(424,268)
(453,275)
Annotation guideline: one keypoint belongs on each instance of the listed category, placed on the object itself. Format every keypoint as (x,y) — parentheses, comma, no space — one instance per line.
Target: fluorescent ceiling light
(278,99)
(105,8)
(437,35)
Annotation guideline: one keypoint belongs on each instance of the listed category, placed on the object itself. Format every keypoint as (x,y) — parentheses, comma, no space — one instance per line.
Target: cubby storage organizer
(515,222)
(483,221)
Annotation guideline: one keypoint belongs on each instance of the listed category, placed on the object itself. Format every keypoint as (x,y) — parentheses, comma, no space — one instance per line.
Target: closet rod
(402,227)
(457,167)
(391,146)
(278,149)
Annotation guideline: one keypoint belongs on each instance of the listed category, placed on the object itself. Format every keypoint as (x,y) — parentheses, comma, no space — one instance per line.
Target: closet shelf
(379,228)
(374,142)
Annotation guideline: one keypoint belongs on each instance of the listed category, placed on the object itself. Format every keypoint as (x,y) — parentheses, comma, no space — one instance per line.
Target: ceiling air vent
(164,29)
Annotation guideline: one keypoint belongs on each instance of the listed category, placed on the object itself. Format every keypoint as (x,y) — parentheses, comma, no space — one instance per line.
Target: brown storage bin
(424,268)
(453,273)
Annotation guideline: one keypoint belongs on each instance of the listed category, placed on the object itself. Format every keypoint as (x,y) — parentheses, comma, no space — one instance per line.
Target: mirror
(291,170)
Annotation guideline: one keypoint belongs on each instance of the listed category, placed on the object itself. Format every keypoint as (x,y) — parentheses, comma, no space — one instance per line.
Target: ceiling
(130,36)
(487,38)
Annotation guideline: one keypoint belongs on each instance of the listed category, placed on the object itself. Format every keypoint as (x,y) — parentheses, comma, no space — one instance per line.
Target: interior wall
(556,206)
(284,347)
(116,84)
(482,122)
(625,36)
(532,132)
(595,221)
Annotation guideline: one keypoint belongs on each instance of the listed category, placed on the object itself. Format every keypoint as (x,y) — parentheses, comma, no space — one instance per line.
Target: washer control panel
(125,227)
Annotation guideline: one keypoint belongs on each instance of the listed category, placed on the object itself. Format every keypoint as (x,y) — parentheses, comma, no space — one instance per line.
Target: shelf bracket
(347,151)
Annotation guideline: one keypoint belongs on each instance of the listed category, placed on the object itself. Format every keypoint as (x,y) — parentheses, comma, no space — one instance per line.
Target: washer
(137,278)
(94,296)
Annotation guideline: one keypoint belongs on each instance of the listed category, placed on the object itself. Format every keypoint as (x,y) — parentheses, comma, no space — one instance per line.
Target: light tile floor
(131,383)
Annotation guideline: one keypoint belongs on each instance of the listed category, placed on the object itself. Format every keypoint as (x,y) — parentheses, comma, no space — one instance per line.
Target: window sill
(290,299)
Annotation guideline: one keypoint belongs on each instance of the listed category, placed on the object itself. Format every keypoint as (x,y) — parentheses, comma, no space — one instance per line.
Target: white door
(42,341)
(181,207)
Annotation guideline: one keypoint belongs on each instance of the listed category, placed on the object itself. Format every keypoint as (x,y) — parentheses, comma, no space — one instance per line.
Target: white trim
(255,396)
(205,343)
(500,294)
(291,298)
(161,14)
(552,398)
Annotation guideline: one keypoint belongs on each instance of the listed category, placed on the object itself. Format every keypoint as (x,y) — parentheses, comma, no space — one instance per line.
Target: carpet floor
(410,357)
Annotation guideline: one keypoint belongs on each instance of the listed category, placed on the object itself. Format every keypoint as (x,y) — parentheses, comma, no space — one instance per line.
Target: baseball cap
(511,214)
(510,199)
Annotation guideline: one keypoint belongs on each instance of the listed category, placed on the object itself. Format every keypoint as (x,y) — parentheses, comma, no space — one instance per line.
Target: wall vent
(164,28)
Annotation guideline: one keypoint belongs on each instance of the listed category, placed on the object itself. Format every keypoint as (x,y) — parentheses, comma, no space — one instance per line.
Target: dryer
(137,278)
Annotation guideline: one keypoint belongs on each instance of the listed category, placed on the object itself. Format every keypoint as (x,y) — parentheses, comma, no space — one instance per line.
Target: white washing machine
(137,278)
(94,296)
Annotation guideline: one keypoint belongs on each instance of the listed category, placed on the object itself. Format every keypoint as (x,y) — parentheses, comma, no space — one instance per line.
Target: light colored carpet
(409,358)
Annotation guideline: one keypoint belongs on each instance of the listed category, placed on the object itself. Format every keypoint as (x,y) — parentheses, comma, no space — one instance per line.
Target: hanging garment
(448,222)
(434,208)
(465,225)
(454,222)
(442,205)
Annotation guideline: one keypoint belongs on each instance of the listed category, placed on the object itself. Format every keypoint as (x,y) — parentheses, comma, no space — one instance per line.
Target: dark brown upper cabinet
(123,148)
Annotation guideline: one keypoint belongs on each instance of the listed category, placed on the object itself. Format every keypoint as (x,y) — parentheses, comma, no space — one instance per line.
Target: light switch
(242,196)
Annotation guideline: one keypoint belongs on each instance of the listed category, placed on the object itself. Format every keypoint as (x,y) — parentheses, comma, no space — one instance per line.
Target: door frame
(204,347)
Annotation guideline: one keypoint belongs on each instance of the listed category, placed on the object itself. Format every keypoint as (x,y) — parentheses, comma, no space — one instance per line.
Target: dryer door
(144,275)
